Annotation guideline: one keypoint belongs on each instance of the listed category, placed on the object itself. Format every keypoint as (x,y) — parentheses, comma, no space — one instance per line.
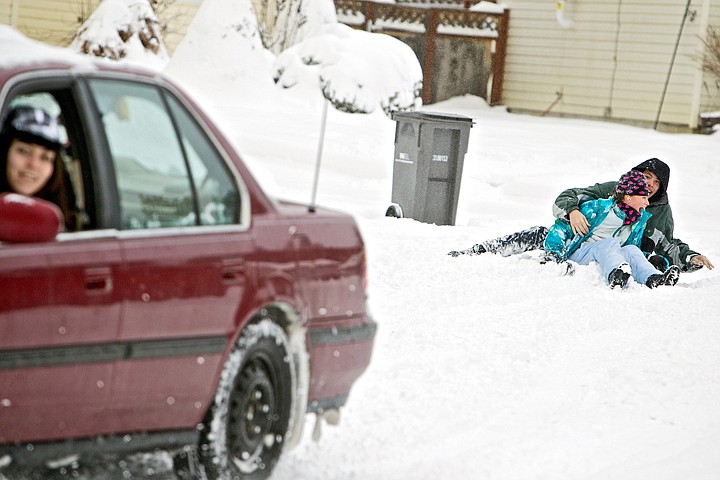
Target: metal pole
(672,62)
(319,155)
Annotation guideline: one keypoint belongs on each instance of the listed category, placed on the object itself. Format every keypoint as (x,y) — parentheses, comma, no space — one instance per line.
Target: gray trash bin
(429,153)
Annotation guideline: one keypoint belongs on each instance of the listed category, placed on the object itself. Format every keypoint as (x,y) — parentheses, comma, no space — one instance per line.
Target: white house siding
(178,17)
(5,12)
(545,60)
(51,21)
(55,21)
(710,87)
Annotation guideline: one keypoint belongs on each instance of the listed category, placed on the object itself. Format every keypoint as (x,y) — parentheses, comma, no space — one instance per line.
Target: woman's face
(636,202)
(29,167)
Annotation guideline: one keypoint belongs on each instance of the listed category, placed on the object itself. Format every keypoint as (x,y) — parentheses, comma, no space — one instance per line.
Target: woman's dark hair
(58,188)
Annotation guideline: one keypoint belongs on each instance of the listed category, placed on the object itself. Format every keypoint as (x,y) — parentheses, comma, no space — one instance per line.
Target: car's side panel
(340,353)
(183,292)
(85,294)
(330,281)
(58,337)
(24,297)
(162,393)
(45,403)
(183,285)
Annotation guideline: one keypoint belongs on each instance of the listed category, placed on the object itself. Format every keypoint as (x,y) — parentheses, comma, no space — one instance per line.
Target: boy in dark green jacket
(658,238)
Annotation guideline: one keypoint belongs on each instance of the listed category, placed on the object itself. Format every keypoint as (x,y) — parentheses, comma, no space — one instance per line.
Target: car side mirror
(26,219)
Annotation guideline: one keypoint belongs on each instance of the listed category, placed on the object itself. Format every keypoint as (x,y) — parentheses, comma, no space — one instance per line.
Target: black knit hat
(33,125)
(632,183)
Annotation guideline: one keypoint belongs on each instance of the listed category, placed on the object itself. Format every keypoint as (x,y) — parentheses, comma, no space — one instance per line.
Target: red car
(184,307)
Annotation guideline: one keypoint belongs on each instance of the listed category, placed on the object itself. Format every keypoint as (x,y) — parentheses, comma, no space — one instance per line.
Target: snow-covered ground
(488,367)
(500,368)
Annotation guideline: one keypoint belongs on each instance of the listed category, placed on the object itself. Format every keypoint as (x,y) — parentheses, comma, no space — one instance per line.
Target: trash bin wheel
(394,210)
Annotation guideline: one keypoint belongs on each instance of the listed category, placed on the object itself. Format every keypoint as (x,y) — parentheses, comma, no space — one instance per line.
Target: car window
(153,180)
(217,195)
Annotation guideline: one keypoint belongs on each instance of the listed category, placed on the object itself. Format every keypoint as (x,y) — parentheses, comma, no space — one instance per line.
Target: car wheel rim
(252,417)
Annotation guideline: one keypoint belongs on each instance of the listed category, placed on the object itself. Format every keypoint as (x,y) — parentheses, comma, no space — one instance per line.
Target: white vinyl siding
(613,61)
(5,12)
(178,17)
(50,21)
(710,87)
(56,21)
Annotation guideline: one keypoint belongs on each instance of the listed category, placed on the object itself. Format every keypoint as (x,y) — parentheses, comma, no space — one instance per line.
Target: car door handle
(233,272)
(98,281)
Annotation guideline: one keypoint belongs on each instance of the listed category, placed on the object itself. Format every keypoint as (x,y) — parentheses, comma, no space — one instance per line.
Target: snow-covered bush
(284,23)
(356,70)
(222,43)
(122,29)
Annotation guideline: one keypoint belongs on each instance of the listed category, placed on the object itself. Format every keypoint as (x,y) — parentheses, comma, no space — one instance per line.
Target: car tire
(394,210)
(250,418)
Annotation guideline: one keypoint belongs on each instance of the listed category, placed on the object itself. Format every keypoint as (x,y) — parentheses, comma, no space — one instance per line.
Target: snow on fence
(460,44)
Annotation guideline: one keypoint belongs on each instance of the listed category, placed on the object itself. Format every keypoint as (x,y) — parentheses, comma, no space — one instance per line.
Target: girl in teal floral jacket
(613,238)
(658,240)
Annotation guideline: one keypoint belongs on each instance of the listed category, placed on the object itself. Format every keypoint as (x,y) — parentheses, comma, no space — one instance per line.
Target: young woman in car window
(30,160)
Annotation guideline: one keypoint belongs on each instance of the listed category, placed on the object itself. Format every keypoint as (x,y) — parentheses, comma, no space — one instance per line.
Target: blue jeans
(610,255)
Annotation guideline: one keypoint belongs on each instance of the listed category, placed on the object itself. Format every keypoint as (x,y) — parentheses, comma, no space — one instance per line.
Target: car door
(59,322)
(184,247)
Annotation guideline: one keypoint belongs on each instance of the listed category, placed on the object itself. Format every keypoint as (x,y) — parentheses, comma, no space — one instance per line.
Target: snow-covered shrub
(122,29)
(357,71)
(284,23)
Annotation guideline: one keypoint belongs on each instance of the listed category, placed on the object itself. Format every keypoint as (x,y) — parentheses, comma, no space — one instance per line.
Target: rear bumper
(340,353)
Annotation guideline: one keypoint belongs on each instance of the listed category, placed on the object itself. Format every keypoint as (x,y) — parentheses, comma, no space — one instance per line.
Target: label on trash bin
(439,158)
(404,158)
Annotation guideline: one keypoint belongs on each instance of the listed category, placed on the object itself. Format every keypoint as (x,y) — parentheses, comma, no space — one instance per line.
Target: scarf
(631,215)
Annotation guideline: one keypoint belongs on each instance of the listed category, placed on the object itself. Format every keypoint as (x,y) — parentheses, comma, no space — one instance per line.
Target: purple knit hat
(632,183)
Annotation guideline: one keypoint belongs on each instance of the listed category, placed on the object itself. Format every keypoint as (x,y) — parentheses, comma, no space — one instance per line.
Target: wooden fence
(460,48)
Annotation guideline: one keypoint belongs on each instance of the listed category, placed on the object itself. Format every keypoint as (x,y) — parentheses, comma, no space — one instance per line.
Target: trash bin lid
(423,116)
